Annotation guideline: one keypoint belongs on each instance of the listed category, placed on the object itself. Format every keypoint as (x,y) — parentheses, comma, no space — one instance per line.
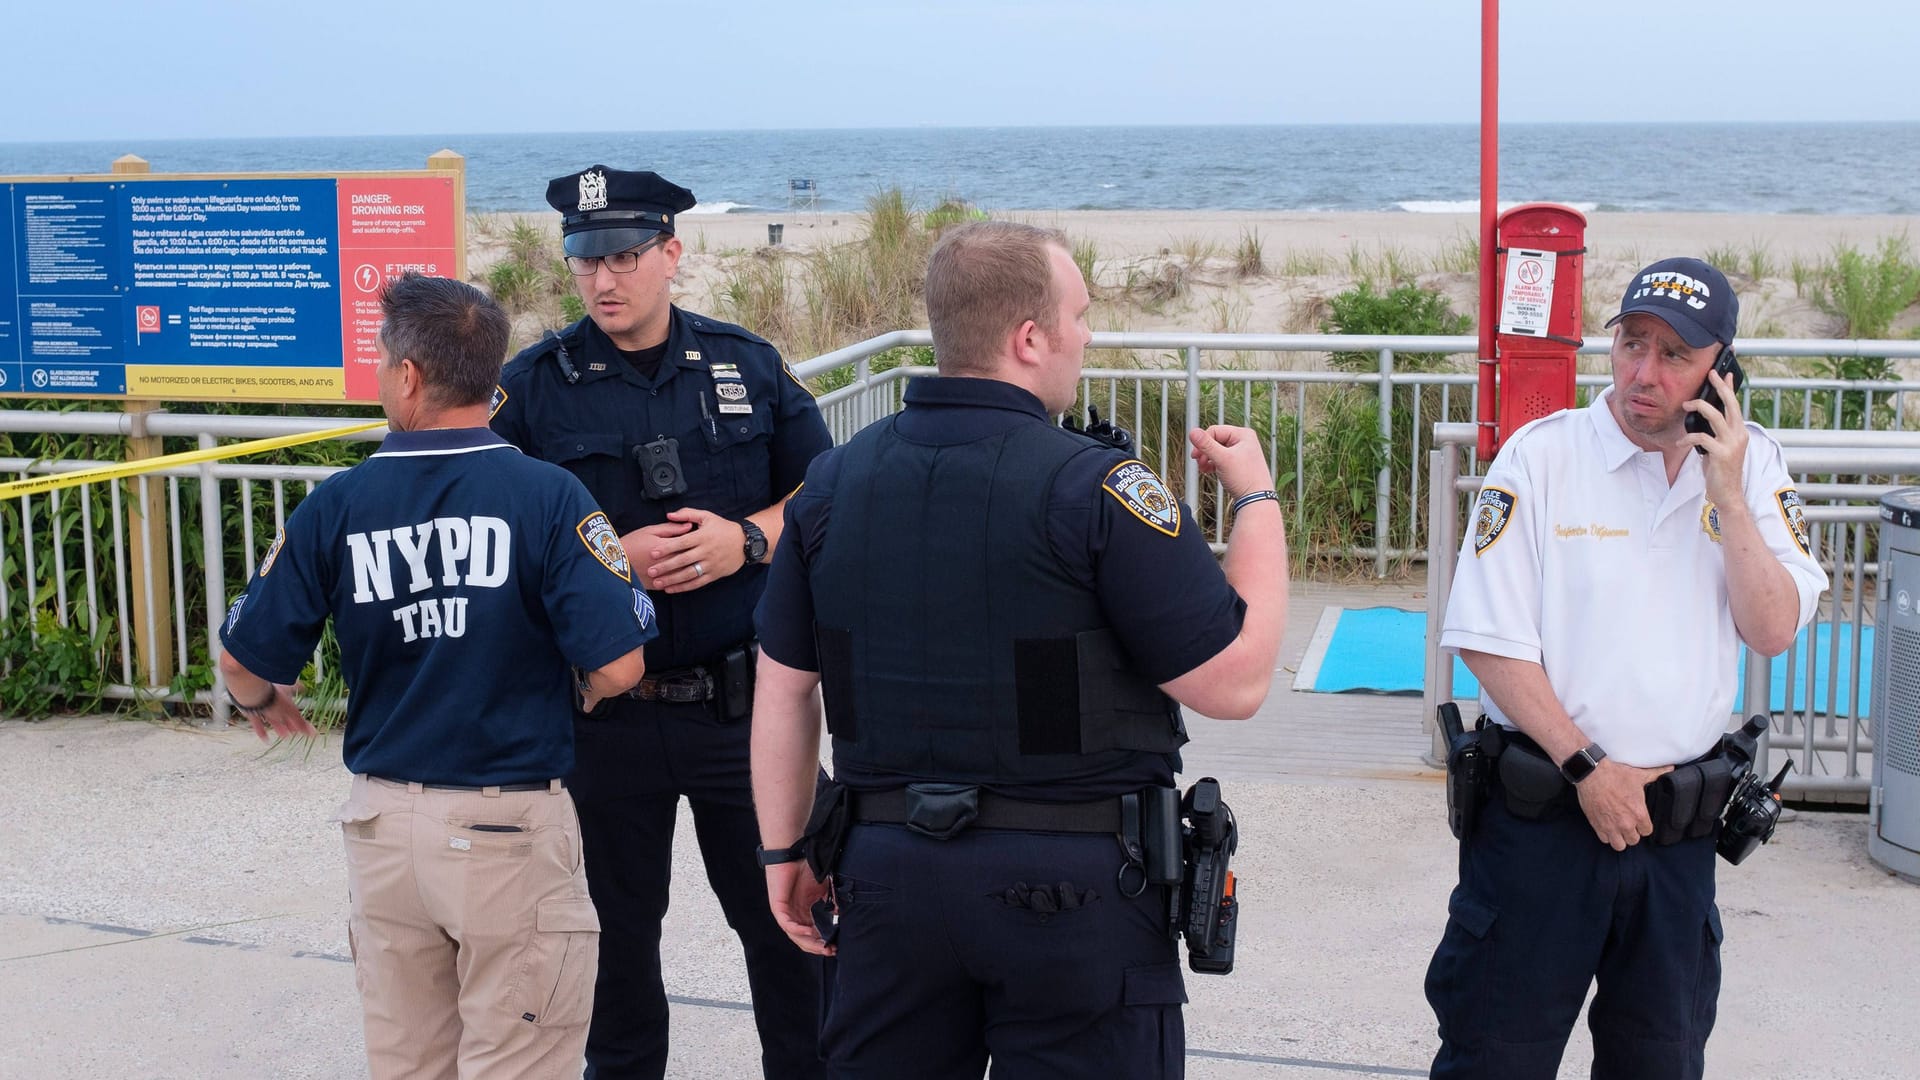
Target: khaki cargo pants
(475,944)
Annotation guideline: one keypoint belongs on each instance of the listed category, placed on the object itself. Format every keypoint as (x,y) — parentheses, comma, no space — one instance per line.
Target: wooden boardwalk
(1309,738)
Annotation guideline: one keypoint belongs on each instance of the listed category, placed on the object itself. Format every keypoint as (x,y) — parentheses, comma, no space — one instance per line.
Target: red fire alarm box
(1542,249)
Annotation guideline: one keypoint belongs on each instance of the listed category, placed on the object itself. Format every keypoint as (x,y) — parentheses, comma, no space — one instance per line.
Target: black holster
(1471,758)
(825,836)
(734,681)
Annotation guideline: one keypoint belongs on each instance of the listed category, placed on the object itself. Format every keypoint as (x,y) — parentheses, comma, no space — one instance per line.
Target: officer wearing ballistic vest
(1616,563)
(463,579)
(1003,617)
(690,433)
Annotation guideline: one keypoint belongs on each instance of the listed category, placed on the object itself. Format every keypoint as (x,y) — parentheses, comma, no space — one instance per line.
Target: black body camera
(1205,911)
(1728,365)
(1753,810)
(660,475)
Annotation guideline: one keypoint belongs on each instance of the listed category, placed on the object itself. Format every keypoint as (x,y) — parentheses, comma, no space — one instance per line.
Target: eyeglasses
(620,262)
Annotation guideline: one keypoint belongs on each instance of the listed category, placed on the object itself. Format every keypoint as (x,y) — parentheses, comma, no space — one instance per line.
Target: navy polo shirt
(463,578)
(743,429)
(1164,595)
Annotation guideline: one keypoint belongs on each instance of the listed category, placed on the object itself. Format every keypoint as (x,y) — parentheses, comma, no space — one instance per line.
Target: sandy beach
(1309,257)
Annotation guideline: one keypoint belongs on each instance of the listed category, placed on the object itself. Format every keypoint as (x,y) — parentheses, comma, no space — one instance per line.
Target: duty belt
(678,685)
(997,812)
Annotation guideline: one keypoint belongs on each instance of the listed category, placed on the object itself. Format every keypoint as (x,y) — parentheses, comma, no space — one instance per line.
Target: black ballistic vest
(952,644)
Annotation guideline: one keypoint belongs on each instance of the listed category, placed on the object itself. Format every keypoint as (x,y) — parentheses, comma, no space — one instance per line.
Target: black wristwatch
(1581,763)
(756,548)
(777,855)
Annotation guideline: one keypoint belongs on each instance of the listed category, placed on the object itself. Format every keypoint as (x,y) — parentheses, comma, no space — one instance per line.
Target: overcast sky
(109,69)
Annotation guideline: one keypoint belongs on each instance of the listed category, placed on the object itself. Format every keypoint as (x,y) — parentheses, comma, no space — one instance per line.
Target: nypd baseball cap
(604,210)
(1688,295)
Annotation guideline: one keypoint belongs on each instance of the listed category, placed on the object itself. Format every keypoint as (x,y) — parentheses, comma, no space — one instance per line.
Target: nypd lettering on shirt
(1141,491)
(476,552)
(1490,516)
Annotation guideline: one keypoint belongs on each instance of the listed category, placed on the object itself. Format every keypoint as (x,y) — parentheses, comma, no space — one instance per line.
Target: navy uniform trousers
(1542,909)
(939,967)
(631,768)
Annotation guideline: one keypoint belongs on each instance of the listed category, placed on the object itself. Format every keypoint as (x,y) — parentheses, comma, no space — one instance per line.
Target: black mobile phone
(1726,364)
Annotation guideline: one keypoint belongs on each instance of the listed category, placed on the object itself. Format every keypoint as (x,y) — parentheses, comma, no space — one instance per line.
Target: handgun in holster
(1469,770)
(1204,910)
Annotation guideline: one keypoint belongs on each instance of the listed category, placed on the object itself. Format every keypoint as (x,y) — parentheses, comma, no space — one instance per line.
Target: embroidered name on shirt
(1595,531)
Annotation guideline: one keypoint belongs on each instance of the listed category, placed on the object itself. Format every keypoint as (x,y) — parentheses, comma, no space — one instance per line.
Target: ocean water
(1754,168)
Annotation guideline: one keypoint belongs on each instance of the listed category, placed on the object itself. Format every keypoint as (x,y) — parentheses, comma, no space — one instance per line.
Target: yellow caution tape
(36,485)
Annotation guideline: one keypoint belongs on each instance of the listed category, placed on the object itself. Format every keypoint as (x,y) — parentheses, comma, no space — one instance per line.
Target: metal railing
(1408,403)
(1827,735)
(70,552)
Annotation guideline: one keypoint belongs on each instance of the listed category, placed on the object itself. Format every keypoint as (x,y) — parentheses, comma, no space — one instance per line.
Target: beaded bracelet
(1252,497)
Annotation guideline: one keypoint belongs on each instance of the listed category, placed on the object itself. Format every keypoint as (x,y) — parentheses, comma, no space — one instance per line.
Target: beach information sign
(196,288)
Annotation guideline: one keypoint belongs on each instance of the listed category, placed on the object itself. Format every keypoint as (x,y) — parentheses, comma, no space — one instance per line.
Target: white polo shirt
(1580,557)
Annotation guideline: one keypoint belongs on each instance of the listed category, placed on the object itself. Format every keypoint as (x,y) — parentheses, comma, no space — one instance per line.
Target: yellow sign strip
(36,485)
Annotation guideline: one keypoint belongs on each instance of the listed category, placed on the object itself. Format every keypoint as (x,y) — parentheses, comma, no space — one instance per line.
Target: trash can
(1893,822)
(775,231)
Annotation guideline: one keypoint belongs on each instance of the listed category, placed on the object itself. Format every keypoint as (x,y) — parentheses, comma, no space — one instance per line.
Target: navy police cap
(604,210)
(1688,295)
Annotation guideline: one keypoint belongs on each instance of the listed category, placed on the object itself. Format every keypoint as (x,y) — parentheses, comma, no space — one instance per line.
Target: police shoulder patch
(499,399)
(1794,510)
(1490,516)
(273,551)
(1137,488)
(598,534)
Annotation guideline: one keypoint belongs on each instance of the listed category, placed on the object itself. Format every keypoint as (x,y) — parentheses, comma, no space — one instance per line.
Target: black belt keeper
(998,812)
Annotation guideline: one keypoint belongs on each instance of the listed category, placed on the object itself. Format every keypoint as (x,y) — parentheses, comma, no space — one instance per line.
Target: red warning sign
(388,226)
(147,319)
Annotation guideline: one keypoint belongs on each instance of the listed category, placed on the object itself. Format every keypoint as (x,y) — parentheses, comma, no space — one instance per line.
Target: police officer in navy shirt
(1004,615)
(691,433)
(466,582)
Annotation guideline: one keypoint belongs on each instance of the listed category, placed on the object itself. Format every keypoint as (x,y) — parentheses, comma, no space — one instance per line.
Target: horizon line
(1468,124)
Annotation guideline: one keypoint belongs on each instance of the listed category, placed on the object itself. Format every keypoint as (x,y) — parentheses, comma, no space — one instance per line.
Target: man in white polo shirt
(1614,565)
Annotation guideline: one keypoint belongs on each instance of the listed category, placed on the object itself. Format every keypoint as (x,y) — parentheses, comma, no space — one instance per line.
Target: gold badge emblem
(1710,521)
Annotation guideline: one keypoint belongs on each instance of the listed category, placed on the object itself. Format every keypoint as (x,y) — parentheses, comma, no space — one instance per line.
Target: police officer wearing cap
(691,433)
(462,579)
(1616,563)
(1003,617)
